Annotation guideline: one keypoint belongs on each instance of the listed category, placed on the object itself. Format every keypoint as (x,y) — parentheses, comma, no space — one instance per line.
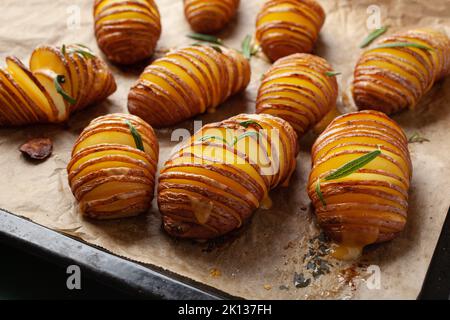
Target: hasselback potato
(187,82)
(127,31)
(394,78)
(298,89)
(213,184)
(60,81)
(285,27)
(210,16)
(368,204)
(113,166)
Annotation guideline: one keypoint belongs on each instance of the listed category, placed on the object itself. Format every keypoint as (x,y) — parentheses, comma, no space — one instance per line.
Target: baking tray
(145,281)
(138,280)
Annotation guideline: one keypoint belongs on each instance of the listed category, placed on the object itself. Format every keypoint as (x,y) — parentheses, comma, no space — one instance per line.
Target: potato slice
(47,79)
(50,58)
(9,109)
(32,87)
(28,108)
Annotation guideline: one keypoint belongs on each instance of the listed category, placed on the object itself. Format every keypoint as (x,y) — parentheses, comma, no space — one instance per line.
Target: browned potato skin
(229,73)
(390,91)
(275,36)
(302,68)
(229,208)
(143,172)
(371,215)
(127,41)
(210,16)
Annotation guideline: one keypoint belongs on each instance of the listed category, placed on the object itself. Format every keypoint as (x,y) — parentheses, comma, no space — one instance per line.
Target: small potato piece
(215,182)
(393,79)
(298,90)
(210,16)
(187,82)
(285,27)
(370,205)
(108,173)
(127,30)
(37,149)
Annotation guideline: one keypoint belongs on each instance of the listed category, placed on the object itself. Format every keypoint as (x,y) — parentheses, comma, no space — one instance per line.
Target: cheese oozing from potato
(370,204)
(213,183)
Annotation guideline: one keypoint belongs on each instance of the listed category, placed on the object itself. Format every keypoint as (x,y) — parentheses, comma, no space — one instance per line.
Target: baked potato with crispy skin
(396,78)
(187,82)
(285,27)
(210,16)
(127,31)
(370,204)
(60,81)
(113,166)
(214,182)
(298,90)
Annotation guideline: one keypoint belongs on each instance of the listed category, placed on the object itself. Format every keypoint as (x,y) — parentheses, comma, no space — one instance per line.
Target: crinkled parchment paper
(261,260)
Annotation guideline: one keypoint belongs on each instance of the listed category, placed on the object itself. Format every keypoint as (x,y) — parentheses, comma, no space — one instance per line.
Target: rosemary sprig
(245,135)
(332,73)
(82,51)
(205,38)
(217,48)
(235,141)
(353,166)
(319,192)
(250,123)
(347,169)
(403,45)
(136,136)
(211,137)
(417,138)
(60,79)
(249,49)
(373,36)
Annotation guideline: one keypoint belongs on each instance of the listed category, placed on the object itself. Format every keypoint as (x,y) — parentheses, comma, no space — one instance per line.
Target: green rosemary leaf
(79,49)
(249,123)
(373,36)
(136,136)
(247,47)
(210,137)
(319,193)
(83,46)
(353,166)
(217,48)
(332,73)
(402,45)
(245,135)
(417,138)
(205,38)
(58,81)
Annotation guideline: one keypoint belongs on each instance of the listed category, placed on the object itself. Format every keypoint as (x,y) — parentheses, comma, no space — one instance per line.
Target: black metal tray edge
(147,281)
(136,279)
